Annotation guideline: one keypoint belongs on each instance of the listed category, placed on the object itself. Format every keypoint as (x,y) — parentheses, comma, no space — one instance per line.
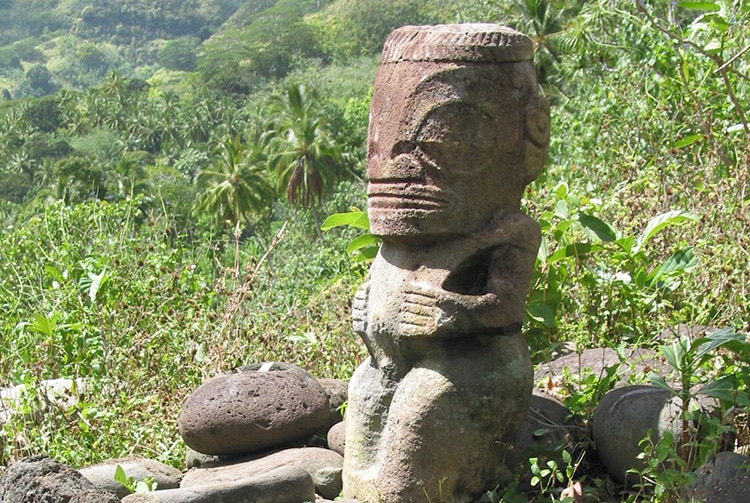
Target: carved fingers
(421,314)
(359,308)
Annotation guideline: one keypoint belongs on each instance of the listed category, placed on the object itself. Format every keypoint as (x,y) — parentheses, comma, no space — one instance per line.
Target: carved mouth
(404,195)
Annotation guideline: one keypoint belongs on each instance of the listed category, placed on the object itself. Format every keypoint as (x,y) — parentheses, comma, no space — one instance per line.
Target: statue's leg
(450,420)
(369,399)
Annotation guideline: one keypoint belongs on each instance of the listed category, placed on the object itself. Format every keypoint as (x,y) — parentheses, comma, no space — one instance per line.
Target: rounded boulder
(625,417)
(252,409)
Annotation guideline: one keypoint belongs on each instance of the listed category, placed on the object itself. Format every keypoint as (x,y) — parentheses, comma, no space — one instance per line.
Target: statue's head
(457,130)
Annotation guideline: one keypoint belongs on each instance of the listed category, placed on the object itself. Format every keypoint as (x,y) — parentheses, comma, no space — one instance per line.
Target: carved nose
(403,167)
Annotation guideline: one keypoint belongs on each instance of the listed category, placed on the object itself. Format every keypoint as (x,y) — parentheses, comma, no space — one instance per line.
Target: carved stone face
(446,147)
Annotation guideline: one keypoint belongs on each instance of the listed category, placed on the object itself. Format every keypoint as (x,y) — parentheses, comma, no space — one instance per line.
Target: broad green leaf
(46,325)
(356,219)
(543,252)
(121,477)
(54,273)
(680,261)
(659,382)
(541,312)
(574,250)
(561,190)
(658,223)
(713,46)
(675,353)
(688,140)
(362,241)
(97,280)
(723,388)
(719,338)
(703,6)
(601,228)
(561,209)
(366,254)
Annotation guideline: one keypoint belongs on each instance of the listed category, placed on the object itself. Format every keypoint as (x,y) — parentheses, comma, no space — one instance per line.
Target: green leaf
(541,312)
(659,382)
(601,228)
(362,241)
(97,280)
(561,209)
(719,338)
(722,388)
(355,218)
(574,250)
(703,6)
(46,325)
(688,140)
(679,262)
(367,254)
(675,353)
(658,223)
(54,273)
(122,478)
(543,253)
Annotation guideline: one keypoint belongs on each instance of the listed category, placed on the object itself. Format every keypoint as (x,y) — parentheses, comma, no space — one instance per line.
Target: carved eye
(453,135)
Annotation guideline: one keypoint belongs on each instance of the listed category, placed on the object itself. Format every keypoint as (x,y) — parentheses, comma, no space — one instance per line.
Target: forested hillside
(166,167)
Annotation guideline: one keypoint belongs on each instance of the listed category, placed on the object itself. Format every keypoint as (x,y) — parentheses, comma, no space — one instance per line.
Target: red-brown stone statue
(457,131)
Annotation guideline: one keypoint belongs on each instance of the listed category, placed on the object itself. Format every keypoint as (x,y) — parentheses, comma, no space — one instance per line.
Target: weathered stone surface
(724,479)
(287,484)
(638,363)
(546,414)
(195,459)
(41,479)
(323,465)
(722,473)
(338,393)
(102,475)
(253,409)
(624,417)
(457,130)
(337,437)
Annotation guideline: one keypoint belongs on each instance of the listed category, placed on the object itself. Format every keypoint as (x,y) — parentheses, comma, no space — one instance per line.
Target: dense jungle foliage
(166,167)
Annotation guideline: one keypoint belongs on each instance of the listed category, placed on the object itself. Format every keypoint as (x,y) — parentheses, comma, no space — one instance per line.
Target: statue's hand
(421,314)
(359,308)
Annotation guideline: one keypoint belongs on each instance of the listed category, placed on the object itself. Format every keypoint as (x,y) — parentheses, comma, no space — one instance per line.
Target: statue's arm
(487,298)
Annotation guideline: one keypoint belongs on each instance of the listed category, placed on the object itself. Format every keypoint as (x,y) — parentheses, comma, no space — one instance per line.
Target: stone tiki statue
(457,131)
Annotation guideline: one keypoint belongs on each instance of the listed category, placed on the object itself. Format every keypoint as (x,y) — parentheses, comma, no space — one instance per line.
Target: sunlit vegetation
(163,178)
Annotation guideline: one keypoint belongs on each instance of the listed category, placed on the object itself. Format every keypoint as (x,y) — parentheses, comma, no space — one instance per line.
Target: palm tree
(545,21)
(233,187)
(305,157)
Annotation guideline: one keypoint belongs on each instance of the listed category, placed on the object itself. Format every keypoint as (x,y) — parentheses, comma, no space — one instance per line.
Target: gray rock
(638,363)
(624,418)
(41,479)
(337,437)
(722,477)
(338,393)
(734,490)
(102,475)
(257,408)
(287,484)
(546,429)
(323,465)
(195,459)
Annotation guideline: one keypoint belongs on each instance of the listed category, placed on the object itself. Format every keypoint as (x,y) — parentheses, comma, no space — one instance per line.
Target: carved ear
(536,139)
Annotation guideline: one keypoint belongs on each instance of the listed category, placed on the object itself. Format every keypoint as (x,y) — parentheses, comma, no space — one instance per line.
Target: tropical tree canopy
(303,154)
(234,187)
